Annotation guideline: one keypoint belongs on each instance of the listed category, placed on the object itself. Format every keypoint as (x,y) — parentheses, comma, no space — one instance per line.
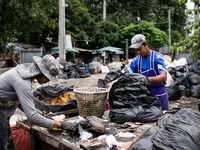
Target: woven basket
(91,101)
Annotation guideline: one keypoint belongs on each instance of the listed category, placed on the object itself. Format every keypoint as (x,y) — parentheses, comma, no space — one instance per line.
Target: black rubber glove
(66,125)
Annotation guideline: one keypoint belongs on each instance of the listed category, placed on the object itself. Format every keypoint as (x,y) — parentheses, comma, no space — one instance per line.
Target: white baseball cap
(137,41)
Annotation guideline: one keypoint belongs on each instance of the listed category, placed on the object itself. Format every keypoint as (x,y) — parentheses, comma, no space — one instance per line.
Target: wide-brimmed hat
(137,41)
(48,66)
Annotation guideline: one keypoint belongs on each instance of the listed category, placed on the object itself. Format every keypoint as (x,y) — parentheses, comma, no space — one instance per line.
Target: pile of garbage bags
(111,76)
(186,81)
(130,99)
(74,70)
(48,92)
(177,129)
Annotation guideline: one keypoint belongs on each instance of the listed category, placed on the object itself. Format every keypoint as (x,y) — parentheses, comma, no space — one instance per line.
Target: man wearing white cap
(151,64)
(15,84)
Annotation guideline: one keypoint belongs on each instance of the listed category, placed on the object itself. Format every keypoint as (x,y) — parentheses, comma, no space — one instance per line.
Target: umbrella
(73,50)
(108,48)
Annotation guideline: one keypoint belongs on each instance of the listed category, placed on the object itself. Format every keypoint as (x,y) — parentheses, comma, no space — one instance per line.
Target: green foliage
(155,37)
(176,36)
(106,34)
(190,43)
(26,21)
(33,20)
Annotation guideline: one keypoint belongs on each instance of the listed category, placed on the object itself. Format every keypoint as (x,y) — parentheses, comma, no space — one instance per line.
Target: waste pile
(114,66)
(130,99)
(186,81)
(111,76)
(176,129)
(49,92)
(74,70)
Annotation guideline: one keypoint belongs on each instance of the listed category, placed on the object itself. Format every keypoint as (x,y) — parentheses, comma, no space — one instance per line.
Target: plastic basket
(91,101)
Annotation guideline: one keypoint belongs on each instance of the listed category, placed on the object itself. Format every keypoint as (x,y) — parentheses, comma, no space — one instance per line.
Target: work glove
(71,126)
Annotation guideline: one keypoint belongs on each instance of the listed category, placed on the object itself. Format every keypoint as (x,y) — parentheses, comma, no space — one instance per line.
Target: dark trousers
(6,139)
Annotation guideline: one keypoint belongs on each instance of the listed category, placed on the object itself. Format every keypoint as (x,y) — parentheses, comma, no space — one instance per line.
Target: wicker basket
(91,101)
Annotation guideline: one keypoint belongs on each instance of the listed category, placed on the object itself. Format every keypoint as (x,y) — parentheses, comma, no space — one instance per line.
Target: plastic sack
(169,80)
(21,138)
(111,76)
(74,70)
(180,69)
(177,129)
(114,66)
(48,92)
(171,70)
(173,91)
(104,69)
(181,129)
(42,106)
(193,78)
(184,91)
(144,142)
(194,68)
(195,91)
(131,100)
(167,59)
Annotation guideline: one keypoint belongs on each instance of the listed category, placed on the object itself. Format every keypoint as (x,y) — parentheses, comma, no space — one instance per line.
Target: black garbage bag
(111,76)
(63,75)
(74,70)
(42,106)
(95,124)
(194,68)
(130,100)
(178,131)
(144,142)
(195,91)
(180,69)
(181,80)
(82,72)
(193,78)
(179,114)
(173,77)
(183,90)
(102,83)
(179,74)
(48,92)
(177,135)
(171,70)
(173,91)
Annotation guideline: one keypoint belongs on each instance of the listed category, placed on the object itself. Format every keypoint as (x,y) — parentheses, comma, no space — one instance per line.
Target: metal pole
(169,23)
(126,51)
(61,37)
(104,18)
(104,9)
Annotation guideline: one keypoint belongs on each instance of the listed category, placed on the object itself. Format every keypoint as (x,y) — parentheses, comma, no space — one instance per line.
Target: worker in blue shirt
(151,64)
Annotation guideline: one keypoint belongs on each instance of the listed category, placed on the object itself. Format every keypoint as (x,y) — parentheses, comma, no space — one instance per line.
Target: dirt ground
(86,82)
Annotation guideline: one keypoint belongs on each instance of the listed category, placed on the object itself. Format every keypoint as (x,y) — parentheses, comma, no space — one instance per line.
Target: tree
(26,21)
(33,21)
(190,43)
(155,37)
